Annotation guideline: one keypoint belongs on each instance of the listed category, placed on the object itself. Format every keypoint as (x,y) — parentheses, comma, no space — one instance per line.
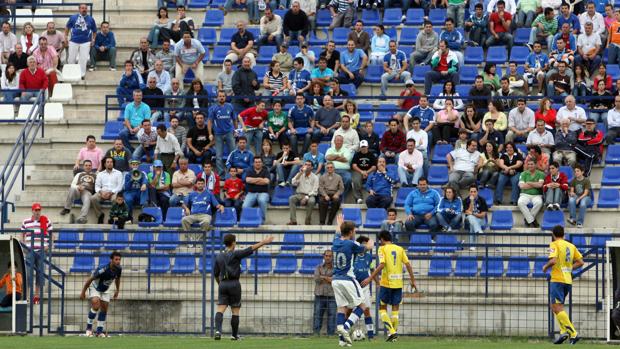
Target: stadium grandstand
(467,129)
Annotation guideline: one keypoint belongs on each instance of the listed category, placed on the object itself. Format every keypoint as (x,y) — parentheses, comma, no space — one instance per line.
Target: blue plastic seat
(92,240)
(316,39)
(487,195)
(155,212)
(251,217)
(440,151)
(189,76)
(184,263)
(519,54)
(468,74)
(551,219)
(265,55)
(415,17)
(293,241)
(420,243)
(463,90)
(521,36)
(217,3)
(373,73)
(408,35)
(518,267)
(473,55)
(492,267)
(83,263)
(537,272)
(323,18)
(440,266)
(207,36)
(611,175)
(173,217)
(111,130)
(437,16)
(260,70)
(419,72)
(437,89)
(260,264)
(340,35)
(323,148)
(371,17)
(353,214)
(309,262)
(392,16)
(380,128)
(167,240)
(67,239)
(502,220)
(579,240)
(219,54)
(141,240)
(206,264)
(497,55)
(199,4)
(613,154)
(226,219)
(349,88)
(226,35)
(281,195)
(213,18)
(286,263)
(608,198)
(613,70)
(438,175)
(466,266)
(446,243)
(401,196)
(117,240)
(158,264)
(374,217)
(599,240)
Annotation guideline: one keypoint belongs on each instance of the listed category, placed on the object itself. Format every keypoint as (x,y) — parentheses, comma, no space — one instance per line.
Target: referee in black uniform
(227,269)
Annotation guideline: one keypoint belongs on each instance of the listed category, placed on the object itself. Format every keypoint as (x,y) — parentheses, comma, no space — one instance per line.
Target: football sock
(370,328)
(340,319)
(219,318)
(562,328)
(386,321)
(355,315)
(565,320)
(234,323)
(394,319)
(101,321)
(92,314)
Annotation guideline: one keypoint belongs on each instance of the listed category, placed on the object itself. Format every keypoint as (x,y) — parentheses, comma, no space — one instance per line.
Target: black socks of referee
(219,317)
(234,323)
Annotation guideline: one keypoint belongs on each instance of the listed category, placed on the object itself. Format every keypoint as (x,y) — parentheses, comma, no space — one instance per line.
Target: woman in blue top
(379,45)
(449,210)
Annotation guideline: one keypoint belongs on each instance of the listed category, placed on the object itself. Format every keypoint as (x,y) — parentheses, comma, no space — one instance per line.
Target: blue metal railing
(15,163)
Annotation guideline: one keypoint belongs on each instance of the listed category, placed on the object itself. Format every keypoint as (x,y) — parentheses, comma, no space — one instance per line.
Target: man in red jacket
(555,187)
(590,145)
(392,142)
(32,78)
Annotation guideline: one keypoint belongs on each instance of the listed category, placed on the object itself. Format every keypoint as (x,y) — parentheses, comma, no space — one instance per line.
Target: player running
(346,288)
(98,286)
(362,268)
(392,258)
(226,270)
(563,259)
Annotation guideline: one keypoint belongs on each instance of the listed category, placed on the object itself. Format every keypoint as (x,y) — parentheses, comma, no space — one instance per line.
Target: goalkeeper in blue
(362,268)
(347,290)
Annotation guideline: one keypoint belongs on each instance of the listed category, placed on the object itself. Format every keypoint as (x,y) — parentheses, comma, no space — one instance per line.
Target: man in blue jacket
(135,187)
(222,123)
(240,158)
(104,48)
(198,207)
(421,207)
(379,185)
(130,80)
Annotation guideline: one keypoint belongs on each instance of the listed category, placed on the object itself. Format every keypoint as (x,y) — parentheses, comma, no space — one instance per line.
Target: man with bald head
(152,97)
(574,113)
(242,45)
(161,76)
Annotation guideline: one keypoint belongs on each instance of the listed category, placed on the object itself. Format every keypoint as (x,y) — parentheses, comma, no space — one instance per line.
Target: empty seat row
(492,267)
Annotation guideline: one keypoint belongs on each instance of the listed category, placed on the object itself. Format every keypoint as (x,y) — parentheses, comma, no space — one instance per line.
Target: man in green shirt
(277,122)
(531,183)
(526,11)
(544,27)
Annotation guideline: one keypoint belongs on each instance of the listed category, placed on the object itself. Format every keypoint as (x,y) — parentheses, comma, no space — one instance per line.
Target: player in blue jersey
(347,290)
(362,266)
(98,286)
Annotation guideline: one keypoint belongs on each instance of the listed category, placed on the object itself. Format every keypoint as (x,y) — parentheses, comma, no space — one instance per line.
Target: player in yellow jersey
(392,258)
(563,258)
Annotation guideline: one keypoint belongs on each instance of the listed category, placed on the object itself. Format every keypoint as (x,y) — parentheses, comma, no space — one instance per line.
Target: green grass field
(174,342)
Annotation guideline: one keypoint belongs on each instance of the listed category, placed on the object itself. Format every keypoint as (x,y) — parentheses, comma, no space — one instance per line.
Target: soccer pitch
(177,342)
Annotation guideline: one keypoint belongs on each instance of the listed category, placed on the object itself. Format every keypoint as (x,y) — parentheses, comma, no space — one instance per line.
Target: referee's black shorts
(229,293)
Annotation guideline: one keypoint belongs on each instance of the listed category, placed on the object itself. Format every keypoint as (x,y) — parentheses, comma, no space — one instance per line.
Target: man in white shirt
(613,122)
(161,76)
(588,46)
(270,29)
(410,165)
(307,184)
(109,182)
(520,121)
(541,137)
(8,40)
(167,148)
(350,136)
(463,165)
(574,113)
(597,20)
(421,141)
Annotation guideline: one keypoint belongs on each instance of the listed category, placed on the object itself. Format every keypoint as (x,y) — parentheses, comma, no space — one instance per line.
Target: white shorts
(366,296)
(348,293)
(104,296)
